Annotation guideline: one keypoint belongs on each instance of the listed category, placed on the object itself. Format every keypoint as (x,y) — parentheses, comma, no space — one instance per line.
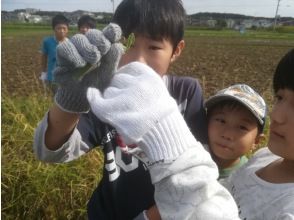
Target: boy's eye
(278,98)
(242,127)
(154,47)
(220,120)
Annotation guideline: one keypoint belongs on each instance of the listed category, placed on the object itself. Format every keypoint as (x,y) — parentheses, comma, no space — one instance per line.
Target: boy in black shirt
(66,133)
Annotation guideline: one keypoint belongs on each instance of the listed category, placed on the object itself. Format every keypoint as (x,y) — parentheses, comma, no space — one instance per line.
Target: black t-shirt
(126,189)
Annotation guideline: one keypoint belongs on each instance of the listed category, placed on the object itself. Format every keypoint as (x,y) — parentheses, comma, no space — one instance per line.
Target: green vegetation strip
(286,33)
(32,189)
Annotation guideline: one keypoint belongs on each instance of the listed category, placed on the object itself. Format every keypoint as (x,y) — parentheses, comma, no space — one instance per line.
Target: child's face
(158,54)
(61,31)
(232,132)
(281,138)
(84,28)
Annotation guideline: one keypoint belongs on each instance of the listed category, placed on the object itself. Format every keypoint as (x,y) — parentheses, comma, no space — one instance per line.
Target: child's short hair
(284,74)
(87,20)
(239,95)
(59,19)
(156,19)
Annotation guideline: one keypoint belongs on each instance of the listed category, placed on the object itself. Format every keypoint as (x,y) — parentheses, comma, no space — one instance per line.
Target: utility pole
(276,16)
(112,6)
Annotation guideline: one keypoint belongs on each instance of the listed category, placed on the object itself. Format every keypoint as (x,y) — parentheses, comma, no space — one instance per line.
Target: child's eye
(242,127)
(278,98)
(154,47)
(220,120)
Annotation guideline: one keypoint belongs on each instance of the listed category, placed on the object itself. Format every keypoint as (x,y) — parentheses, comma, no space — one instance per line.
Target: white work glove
(138,105)
(43,76)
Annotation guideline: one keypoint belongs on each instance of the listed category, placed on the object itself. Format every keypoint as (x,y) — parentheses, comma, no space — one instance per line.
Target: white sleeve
(188,188)
(70,150)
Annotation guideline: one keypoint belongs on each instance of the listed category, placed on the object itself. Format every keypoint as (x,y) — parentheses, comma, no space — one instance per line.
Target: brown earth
(216,61)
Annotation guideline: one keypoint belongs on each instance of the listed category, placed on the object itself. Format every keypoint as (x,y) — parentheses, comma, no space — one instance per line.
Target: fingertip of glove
(112,32)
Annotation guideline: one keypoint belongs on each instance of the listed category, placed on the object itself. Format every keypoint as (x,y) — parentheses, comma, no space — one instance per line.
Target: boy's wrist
(168,139)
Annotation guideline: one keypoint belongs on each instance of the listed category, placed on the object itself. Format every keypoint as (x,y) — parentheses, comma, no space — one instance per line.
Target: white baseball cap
(246,96)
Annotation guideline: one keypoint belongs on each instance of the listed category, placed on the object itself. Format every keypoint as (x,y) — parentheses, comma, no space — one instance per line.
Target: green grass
(11,29)
(281,33)
(286,32)
(32,189)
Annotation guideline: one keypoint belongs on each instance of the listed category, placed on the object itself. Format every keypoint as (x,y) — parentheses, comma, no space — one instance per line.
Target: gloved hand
(84,61)
(138,105)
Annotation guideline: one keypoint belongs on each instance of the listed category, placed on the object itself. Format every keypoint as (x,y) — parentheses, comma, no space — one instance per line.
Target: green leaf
(130,41)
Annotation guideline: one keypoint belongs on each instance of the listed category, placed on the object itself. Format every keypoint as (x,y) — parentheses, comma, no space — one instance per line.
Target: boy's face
(61,31)
(281,138)
(158,54)
(84,28)
(232,132)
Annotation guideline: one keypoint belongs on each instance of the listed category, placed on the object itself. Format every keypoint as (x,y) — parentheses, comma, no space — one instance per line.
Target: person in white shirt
(264,187)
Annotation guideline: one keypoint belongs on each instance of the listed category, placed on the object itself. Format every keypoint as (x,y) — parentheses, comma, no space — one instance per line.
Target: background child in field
(65,134)
(264,187)
(48,60)
(236,118)
(85,23)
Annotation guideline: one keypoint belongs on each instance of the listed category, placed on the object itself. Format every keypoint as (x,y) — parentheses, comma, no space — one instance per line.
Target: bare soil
(216,61)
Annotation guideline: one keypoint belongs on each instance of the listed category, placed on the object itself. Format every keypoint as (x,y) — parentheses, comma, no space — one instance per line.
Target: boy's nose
(228,133)
(140,58)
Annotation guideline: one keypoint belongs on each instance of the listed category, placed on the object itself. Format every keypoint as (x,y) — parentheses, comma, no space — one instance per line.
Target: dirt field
(35,190)
(216,61)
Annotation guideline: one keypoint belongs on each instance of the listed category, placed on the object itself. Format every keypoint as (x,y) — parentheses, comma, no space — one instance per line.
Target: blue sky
(265,8)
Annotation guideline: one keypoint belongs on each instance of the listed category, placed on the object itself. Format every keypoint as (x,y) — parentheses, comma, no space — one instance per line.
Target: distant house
(99,17)
(23,16)
(27,17)
(262,23)
(197,22)
(35,19)
(230,23)
(211,23)
(247,23)
(46,19)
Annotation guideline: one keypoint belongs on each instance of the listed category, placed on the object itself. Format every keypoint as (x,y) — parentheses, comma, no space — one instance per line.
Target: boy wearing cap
(236,117)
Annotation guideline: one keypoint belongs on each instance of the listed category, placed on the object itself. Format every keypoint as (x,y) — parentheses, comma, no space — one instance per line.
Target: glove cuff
(168,139)
(71,100)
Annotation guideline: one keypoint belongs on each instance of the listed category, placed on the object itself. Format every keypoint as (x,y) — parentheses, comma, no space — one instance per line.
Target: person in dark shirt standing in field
(70,129)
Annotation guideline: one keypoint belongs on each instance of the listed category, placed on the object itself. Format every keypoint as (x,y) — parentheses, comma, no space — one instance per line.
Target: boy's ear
(178,50)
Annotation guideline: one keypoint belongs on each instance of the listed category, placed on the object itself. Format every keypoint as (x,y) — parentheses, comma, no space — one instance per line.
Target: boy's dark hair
(156,19)
(232,105)
(59,19)
(284,74)
(87,20)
